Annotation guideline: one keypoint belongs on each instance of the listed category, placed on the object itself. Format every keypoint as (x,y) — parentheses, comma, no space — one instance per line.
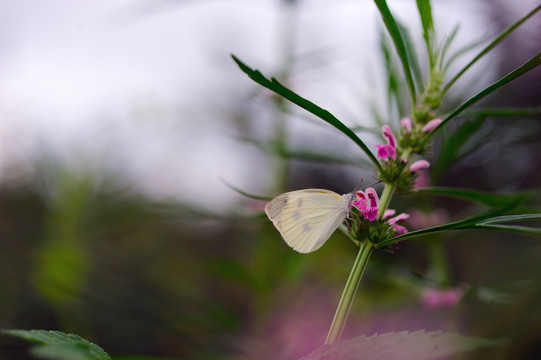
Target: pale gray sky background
(145,91)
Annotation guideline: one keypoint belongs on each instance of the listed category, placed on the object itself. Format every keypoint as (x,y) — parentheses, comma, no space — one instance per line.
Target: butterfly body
(307,218)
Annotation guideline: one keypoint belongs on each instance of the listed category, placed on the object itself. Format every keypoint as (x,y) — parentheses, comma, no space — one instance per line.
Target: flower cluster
(395,153)
(367,203)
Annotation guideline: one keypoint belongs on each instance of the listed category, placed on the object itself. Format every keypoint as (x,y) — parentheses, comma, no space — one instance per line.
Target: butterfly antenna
(358,187)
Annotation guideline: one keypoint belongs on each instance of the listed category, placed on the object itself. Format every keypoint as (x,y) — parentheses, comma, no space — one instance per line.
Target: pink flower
(431,125)
(423,180)
(388,213)
(406,124)
(419,165)
(367,203)
(393,222)
(432,297)
(388,135)
(388,150)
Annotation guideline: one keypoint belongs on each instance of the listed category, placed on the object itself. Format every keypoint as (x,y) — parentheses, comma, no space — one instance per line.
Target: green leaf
(394,89)
(466,223)
(508,218)
(325,115)
(412,56)
(504,112)
(479,222)
(244,193)
(60,346)
(452,147)
(510,228)
(425,12)
(404,345)
(400,46)
(490,199)
(490,46)
(446,43)
(529,65)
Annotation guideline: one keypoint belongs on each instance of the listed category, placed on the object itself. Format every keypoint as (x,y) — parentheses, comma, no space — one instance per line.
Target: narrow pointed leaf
(511,228)
(245,193)
(457,225)
(479,222)
(490,199)
(529,65)
(412,56)
(453,146)
(425,12)
(508,218)
(290,95)
(490,46)
(503,112)
(400,46)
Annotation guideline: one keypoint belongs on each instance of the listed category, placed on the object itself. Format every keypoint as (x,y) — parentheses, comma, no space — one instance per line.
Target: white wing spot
(296,215)
(299,203)
(306,227)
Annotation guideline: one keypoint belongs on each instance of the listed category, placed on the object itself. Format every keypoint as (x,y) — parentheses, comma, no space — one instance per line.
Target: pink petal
(419,165)
(431,125)
(370,213)
(406,123)
(372,196)
(386,151)
(388,135)
(388,213)
(399,229)
(400,217)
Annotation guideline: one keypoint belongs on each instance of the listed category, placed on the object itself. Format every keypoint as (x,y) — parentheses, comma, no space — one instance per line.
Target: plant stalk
(385,199)
(346,301)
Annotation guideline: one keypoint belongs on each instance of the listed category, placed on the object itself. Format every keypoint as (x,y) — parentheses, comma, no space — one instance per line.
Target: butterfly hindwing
(307,218)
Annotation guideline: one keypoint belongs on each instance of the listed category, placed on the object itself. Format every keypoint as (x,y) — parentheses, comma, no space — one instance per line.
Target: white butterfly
(307,218)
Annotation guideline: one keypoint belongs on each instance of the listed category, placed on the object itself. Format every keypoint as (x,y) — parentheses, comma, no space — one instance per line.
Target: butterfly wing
(307,218)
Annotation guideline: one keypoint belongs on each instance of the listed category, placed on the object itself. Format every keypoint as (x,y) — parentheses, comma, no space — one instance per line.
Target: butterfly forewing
(307,218)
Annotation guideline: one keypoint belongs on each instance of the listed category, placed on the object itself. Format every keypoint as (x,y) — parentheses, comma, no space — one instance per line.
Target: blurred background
(122,121)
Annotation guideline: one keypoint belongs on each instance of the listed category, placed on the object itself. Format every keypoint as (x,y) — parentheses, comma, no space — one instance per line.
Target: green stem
(346,301)
(385,199)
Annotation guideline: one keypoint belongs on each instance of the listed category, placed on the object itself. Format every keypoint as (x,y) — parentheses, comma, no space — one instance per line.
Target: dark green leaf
(457,225)
(247,194)
(412,56)
(394,89)
(425,12)
(510,228)
(508,218)
(278,88)
(529,65)
(400,46)
(490,199)
(503,112)
(446,43)
(453,146)
(404,345)
(478,222)
(490,46)
(58,345)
